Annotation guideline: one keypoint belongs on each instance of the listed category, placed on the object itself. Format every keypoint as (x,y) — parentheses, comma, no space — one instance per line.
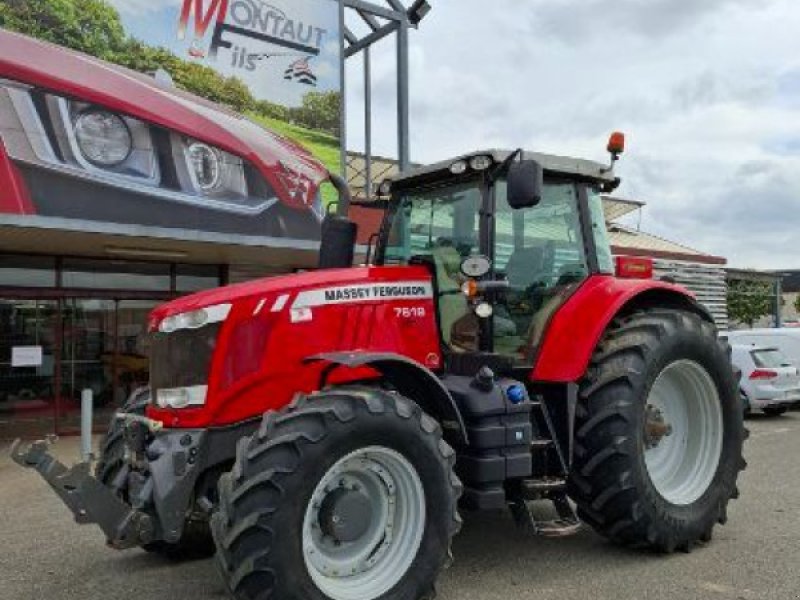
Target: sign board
(26,356)
(200,167)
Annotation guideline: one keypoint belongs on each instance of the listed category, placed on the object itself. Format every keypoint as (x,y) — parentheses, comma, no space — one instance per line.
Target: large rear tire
(659,432)
(348,494)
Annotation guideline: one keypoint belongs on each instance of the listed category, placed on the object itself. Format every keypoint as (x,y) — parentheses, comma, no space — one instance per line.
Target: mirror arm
(503,167)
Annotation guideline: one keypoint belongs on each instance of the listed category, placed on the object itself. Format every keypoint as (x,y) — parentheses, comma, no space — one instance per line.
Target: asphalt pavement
(44,555)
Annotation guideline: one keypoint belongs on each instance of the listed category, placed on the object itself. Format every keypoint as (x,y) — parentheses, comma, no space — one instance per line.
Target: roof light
(481,163)
(616,143)
(459,167)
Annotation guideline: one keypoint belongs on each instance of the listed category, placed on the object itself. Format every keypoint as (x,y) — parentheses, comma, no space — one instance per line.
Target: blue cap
(516,394)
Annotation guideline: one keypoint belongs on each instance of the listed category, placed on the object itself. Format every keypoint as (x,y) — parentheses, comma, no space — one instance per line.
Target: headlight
(103,138)
(206,166)
(195,319)
(182,397)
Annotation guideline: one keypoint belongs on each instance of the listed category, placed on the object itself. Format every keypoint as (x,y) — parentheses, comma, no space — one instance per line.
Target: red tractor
(327,427)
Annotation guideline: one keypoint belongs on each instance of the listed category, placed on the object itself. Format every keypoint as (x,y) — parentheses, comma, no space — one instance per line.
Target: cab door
(542,253)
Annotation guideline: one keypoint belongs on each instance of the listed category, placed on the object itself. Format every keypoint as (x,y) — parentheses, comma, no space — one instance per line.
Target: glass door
(87,358)
(28,349)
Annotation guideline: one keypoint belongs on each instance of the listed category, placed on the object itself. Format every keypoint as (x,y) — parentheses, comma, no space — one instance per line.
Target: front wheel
(659,432)
(348,494)
(775,411)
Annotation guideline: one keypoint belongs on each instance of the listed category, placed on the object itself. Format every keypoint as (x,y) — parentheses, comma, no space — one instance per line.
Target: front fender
(576,329)
(412,379)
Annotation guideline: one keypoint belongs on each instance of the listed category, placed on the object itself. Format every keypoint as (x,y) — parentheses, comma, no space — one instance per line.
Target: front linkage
(149,499)
(88,499)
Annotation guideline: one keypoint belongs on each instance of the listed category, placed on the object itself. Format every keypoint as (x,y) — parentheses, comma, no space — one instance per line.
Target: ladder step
(540,486)
(541,444)
(558,528)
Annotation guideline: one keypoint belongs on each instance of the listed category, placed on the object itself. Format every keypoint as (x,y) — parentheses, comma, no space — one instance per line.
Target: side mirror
(525,184)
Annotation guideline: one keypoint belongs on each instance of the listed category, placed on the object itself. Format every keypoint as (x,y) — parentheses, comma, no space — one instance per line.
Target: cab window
(541,252)
(442,225)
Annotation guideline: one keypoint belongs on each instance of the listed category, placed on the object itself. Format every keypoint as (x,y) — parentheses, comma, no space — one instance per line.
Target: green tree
(320,110)
(91,26)
(748,301)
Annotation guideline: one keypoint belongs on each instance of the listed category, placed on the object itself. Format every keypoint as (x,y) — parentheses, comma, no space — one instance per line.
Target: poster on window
(202,115)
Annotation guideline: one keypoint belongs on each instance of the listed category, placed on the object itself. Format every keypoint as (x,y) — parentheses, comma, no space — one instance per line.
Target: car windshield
(769,358)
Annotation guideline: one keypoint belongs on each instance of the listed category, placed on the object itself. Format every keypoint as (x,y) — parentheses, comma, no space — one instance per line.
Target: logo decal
(256,23)
(401,290)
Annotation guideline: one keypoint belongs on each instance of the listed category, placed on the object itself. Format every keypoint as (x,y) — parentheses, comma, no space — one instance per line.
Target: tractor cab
(508,236)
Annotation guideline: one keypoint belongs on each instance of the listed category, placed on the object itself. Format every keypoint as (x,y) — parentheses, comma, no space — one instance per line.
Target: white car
(769,382)
(785,339)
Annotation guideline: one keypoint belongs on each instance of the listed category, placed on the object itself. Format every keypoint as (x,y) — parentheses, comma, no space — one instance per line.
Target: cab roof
(577,168)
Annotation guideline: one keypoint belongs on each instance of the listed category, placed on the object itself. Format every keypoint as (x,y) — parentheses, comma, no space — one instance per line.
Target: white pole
(87,404)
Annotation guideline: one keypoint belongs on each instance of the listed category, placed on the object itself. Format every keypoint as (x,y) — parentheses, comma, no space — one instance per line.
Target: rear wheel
(775,411)
(659,432)
(356,485)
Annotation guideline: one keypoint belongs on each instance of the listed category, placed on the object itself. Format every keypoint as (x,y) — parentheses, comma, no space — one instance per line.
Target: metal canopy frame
(382,19)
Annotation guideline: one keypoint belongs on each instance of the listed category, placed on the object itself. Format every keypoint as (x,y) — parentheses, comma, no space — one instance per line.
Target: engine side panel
(576,329)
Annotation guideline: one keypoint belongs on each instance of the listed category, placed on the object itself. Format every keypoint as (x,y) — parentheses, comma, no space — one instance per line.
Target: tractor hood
(289,168)
(250,294)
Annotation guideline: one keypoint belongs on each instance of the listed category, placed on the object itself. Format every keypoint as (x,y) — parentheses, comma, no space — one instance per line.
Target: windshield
(770,358)
(443,221)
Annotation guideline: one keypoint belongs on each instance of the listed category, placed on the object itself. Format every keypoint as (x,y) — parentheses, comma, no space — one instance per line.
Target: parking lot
(45,556)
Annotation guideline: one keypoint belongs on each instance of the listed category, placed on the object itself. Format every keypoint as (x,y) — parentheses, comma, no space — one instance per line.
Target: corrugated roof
(616,208)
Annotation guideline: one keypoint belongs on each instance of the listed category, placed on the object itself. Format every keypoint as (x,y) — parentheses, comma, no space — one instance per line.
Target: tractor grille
(182,358)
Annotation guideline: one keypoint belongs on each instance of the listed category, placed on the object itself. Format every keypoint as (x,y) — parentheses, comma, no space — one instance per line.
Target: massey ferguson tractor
(327,428)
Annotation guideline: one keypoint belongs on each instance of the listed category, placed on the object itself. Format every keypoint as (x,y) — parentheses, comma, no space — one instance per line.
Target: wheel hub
(364,524)
(656,427)
(683,432)
(345,515)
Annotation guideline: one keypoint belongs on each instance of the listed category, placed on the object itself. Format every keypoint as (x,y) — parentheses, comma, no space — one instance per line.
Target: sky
(156,23)
(707,91)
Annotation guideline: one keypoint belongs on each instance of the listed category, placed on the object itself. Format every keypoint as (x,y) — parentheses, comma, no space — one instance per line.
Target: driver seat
(453,305)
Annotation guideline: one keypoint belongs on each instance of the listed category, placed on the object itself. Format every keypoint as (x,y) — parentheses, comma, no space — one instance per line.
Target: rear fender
(576,329)
(411,379)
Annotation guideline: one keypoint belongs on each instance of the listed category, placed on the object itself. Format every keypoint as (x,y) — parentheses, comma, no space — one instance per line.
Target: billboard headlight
(103,137)
(206,165)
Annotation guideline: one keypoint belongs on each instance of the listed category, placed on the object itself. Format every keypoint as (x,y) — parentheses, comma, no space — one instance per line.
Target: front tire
(348,494)
(775,411)
(659,432)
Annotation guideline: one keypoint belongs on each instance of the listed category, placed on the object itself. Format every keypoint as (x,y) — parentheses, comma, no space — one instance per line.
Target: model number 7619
(413,312)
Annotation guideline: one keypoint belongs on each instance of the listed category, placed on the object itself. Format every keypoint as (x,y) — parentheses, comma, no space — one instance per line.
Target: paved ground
(45,556)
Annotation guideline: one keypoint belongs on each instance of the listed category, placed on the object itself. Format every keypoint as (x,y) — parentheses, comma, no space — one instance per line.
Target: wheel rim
(683,432)
(364,524)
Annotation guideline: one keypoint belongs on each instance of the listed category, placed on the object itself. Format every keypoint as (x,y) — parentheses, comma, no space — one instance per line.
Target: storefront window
(115,275)
(27,271)
(194,278)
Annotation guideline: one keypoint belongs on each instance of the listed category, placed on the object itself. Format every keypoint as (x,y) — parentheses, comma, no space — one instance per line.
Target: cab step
(536,488)
(528,523)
